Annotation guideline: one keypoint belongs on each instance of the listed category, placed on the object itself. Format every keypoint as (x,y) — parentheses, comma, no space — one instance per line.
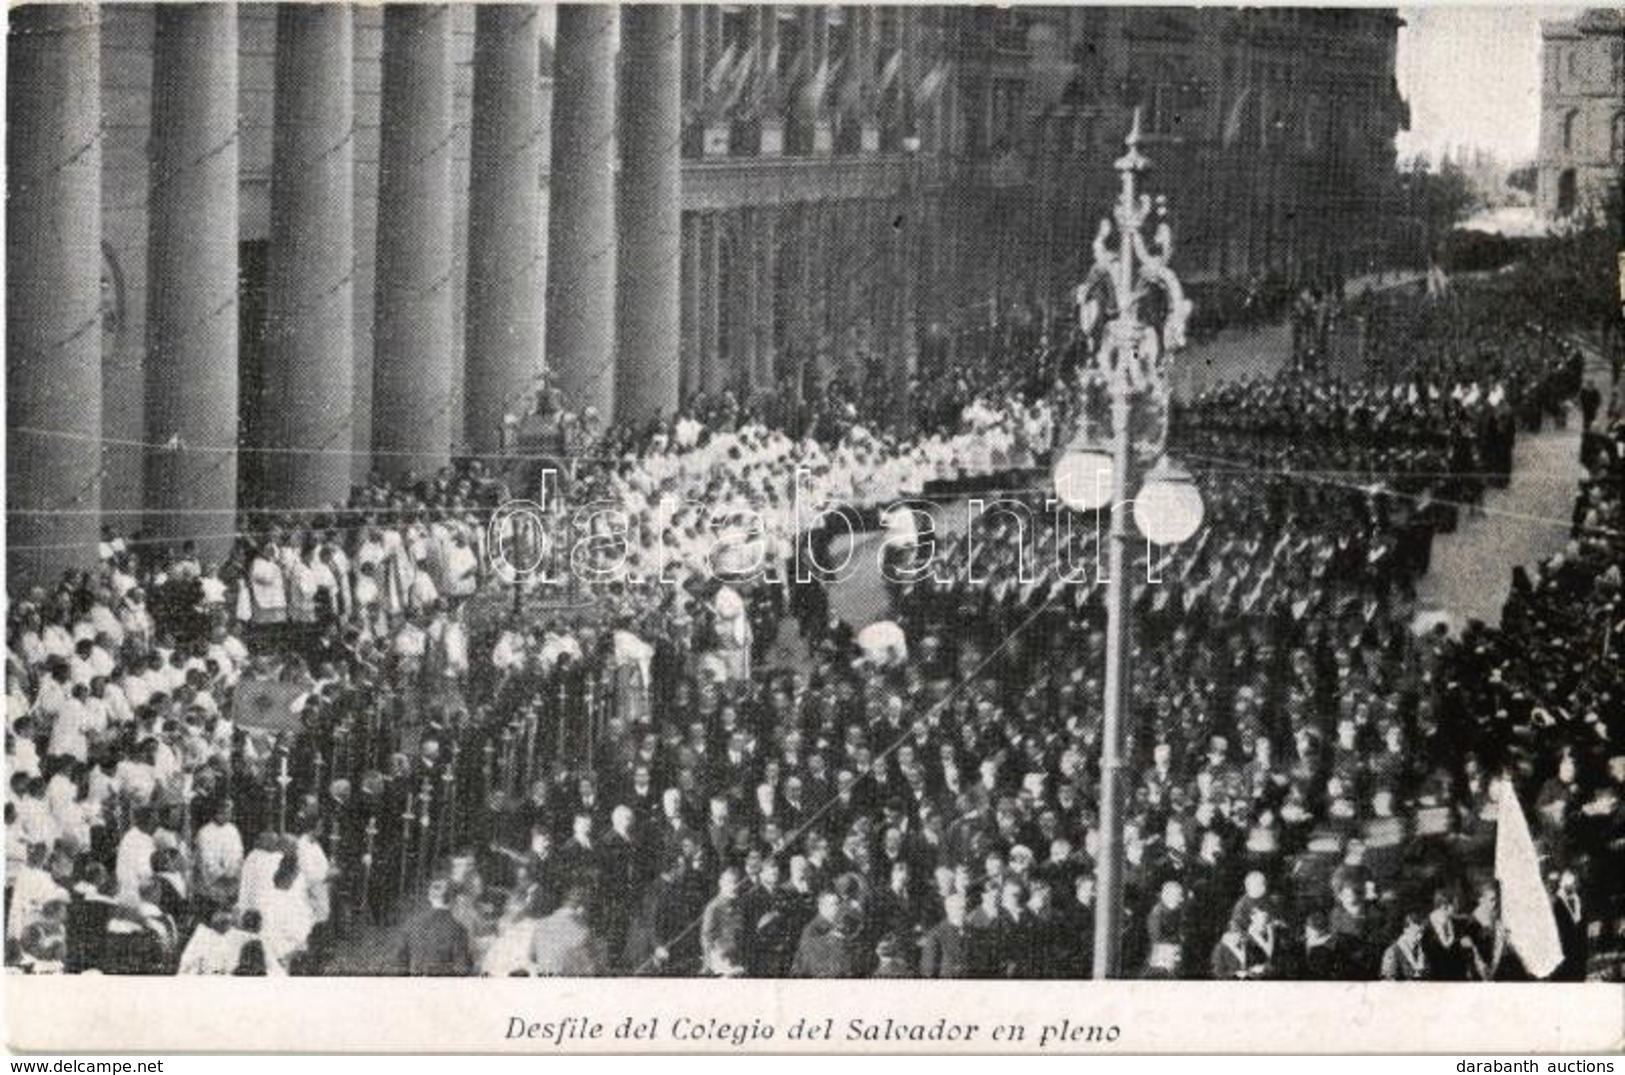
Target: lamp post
(1101,467)
(909,246)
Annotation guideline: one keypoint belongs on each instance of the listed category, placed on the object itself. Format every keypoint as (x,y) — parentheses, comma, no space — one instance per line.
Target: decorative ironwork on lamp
(1109,453)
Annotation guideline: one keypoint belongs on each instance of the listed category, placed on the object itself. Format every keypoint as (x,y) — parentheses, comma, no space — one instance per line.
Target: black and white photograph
(727,491)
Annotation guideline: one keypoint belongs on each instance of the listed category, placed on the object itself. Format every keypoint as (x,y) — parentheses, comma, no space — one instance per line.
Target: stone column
(308,406)
(53,290)
(767,303)
(647,376)
(691,305)
(835,251)
(819,287)
(910,261)
(503,335)
(799,330)
(581,211)
(712,376)
(191,367)
(742,295)
(412,371)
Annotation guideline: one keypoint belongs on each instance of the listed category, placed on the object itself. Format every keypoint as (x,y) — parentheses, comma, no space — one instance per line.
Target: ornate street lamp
(1134,339)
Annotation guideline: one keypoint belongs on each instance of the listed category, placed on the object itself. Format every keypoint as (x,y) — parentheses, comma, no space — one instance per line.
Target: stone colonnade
(645,301)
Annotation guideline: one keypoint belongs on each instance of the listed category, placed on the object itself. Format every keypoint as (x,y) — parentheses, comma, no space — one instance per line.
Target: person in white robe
(286,918)
(258,872)
(462,567)
(214,948)
(733,634)
(315,873)
(264,598)
(133,863)
(219,855)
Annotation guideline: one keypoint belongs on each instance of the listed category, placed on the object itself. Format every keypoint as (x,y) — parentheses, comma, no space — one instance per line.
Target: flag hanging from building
(931,84)
(812,95)
(888,73)
(772,62)
(720,70)
(738,81)
(850,95)
(1526,909)
(788,83)
(1232,123)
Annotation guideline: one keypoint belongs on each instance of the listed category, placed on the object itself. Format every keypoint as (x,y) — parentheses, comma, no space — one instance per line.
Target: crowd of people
(362,742)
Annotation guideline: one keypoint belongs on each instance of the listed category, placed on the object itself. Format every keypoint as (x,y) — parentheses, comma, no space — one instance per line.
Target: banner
(1526,909)
(266,705)
(1232,123)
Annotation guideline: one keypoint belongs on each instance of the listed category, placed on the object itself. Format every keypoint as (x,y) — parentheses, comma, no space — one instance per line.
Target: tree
(1523,178)
(1450,198)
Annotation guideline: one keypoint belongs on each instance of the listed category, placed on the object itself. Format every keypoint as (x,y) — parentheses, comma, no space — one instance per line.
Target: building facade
(1582,112)
(288,245)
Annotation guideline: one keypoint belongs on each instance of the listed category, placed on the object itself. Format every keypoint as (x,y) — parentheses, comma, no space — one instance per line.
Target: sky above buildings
(1472,76)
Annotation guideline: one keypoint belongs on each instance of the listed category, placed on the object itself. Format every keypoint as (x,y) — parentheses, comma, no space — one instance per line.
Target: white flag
(1526,909)
(1232,124)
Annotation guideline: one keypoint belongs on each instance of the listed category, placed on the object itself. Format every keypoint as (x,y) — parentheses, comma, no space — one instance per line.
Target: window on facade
(1565,192)
(790,44)
(735,29)
(1618,147)
(1571,128)
(1007,117)
(1164,109)
(1010,31)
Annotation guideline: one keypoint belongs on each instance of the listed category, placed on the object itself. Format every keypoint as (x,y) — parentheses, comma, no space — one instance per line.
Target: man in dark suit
(1571,929)
(1075,952)
(1444,944)
(828,943)
(1318,959)
(641,795)
(662,939)
(578,857)
(434,944)
(671,829)
(1017,934)
(945,949)
(1590,403)
(622,877)
(769,942)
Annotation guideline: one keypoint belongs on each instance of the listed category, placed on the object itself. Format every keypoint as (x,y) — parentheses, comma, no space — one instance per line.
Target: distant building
(1582,111)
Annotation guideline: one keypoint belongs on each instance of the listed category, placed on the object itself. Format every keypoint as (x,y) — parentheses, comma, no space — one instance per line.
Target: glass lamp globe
(1083,479)
(1169,509)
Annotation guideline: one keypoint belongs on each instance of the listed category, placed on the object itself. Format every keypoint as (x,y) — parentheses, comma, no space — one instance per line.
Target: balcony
(744,182)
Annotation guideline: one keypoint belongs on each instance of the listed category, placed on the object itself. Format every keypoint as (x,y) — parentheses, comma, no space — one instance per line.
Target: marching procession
(365,743)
